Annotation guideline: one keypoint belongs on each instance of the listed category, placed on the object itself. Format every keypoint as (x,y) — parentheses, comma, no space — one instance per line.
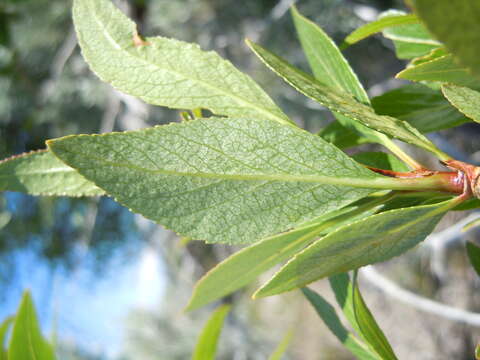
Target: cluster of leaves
(248,175)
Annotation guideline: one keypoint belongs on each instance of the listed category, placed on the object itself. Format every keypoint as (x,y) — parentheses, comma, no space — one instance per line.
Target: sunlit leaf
(341,102)
(4,327)
(41,173)
(282,347)
(464,99)
(257,176)
(206,347)
(367,241)
(164,71)
(27,342)
(457,25)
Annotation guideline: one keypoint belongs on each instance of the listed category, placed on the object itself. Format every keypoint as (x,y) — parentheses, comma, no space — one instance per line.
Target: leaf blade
(265,177)
(207,342)
(41,173)
(376,238)
(473,252)
(160,71)
(466,100)
(282,346)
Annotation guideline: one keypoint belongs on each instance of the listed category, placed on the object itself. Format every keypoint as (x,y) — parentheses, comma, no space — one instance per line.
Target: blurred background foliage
(57,246)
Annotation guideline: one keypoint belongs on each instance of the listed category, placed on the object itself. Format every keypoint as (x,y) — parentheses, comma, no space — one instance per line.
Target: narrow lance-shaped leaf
(464,99)
(457,25)
(41,173)
(343,103)
(441,69)
(27,342)
(206,347)
(410,40)
(369,328)
(257,176)
(4,327)
(282,347)
(424,108)
(247,264)
(374,239)
(377,26)
(330,318)
(164,71)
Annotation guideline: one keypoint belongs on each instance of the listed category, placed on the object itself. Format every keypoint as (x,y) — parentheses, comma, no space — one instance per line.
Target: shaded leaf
(442,69)
(41,173)
(330,318)
(378,25)
(257,176)
(473,252)
(342,103)
(247,264)
(164,71)
(457,25)
(27,342)
(369,328)
(282,347)
(380,160)
(464,99)
(341,136)
(426,109)
(374,239)
(207,342)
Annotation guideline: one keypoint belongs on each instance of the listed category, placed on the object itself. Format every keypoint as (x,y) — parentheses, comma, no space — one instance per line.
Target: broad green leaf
(377,26)
(410,40)
(164,71)
(247,264)
(4,327)
(442,69)
(343,103)
(27,342)
(380,160)
(432,55)
(473,252)
(464,99)
(257,176)
(282,347)
(41,173)
(369,328)
(330,318)
(332,69)
(457,25)
(424,108)
(341,136)
(207,342)
(374,239)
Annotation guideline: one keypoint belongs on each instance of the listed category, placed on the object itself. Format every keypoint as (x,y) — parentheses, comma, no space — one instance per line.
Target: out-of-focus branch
(419,302)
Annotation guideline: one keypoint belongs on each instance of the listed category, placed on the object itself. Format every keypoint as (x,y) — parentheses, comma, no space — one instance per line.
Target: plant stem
(402,155)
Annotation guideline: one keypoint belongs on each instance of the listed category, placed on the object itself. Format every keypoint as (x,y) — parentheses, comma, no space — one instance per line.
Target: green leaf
(247,264)
(340,102)
(329,316)
(410,40)
(257,176)
(374,239)
(464,99)
(432,55)
(27,342)
(207,342)
(380,160)
(377,26)
(282,347)
(164,71)
(332,69)
(473,252)
(4,327)
(424,108)
(369,328)
(41,173)
(341,136)
(442,69)
(457,25)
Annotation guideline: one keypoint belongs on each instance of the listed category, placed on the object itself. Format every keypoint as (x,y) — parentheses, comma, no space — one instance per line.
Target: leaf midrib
(196,80)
